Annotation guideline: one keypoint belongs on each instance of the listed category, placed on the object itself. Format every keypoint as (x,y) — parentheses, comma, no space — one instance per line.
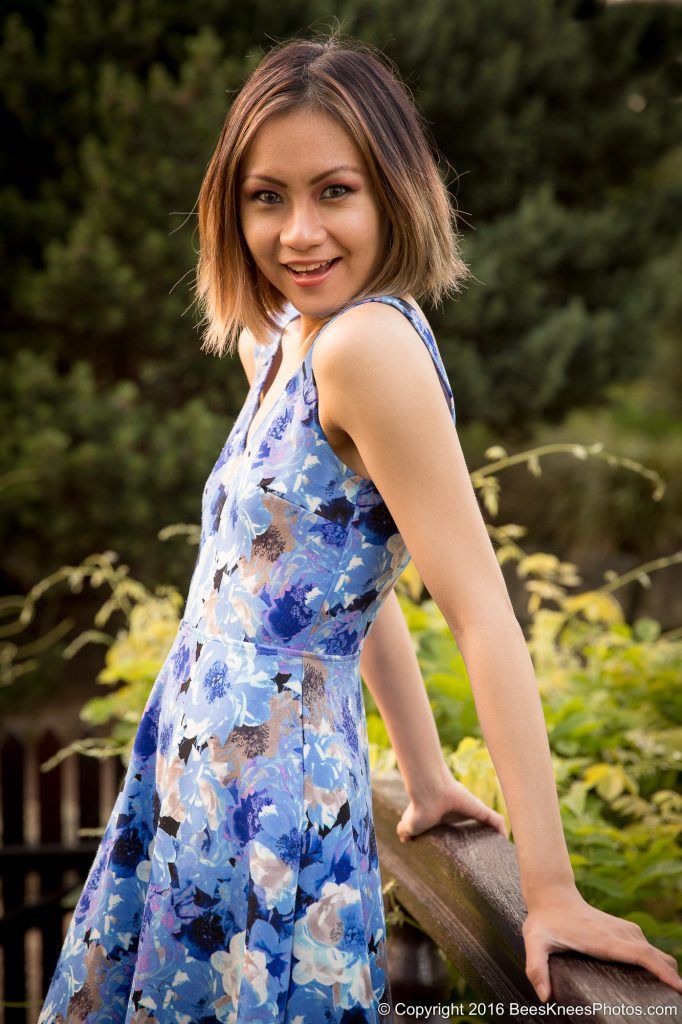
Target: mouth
(314,274)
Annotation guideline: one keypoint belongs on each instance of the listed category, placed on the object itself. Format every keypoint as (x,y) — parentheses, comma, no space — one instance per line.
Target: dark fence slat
(13,763)
(50,789)
(52,874)
(12,783)
(88,792)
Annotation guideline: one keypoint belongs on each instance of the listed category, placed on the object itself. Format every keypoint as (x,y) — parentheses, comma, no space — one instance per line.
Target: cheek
(369,232)
(254,232)
(364,224)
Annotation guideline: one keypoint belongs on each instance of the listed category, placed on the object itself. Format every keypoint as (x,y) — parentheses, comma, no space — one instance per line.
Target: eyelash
(267,192)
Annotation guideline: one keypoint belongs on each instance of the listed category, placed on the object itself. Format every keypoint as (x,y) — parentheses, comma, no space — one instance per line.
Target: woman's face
(306,197)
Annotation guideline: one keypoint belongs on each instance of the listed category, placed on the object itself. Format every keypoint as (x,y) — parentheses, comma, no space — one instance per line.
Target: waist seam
(265,647)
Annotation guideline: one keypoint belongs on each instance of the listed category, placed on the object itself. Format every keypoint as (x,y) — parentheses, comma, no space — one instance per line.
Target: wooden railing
(460,883)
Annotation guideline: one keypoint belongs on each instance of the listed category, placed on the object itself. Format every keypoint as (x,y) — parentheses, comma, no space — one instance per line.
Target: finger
(406,827)
(455,818)
(404,834)
(479,812)
(657,962)
(500,825)
(543,990)
(643,953)
(639,936)
(493,819)
(537,968)
(670,960)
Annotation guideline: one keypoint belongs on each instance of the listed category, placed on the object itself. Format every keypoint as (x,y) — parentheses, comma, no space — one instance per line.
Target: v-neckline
(251,432)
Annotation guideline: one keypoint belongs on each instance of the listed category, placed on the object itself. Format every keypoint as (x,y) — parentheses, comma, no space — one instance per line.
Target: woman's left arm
(381,389)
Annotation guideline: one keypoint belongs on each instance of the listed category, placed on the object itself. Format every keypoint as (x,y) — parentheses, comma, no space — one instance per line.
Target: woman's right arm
(389,666)
(383,392)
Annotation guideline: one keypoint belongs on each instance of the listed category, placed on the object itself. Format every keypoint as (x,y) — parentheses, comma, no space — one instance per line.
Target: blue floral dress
(238,879)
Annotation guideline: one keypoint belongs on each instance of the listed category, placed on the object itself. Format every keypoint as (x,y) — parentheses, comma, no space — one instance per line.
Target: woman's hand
(451,803)
(562,920)
(559,919)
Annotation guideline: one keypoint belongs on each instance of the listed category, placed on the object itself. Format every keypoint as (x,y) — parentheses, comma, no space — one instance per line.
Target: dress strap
(422,329)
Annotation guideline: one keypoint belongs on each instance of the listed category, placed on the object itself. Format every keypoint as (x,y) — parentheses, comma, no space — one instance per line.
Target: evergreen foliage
(560,125)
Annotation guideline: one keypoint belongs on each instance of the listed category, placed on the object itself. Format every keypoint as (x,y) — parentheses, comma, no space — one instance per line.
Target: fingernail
(543,993)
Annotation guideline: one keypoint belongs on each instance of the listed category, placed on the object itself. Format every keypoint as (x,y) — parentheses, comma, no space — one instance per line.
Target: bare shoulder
(372,356)
(383,391)
(246,347)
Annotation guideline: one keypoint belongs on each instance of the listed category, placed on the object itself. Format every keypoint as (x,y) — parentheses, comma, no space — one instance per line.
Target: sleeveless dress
(238,880)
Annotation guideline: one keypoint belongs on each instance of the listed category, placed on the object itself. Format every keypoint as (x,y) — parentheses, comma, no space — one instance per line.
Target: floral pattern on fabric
(238,877)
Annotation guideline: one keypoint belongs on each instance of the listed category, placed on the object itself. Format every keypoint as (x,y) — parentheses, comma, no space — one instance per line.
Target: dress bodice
(297,550)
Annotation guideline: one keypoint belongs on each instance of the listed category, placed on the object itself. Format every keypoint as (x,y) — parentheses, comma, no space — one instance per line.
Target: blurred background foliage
(559,126)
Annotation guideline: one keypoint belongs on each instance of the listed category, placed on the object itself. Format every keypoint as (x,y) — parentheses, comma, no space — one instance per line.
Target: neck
(308,327)
(304,330)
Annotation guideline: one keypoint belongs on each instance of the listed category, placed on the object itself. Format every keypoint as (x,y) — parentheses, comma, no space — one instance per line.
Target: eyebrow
(313,181)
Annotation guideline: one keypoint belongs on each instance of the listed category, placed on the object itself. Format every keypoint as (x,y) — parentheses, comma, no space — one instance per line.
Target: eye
(256,196)
(344,187)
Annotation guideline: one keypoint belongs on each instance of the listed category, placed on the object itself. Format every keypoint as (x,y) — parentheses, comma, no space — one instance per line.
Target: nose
(303,228)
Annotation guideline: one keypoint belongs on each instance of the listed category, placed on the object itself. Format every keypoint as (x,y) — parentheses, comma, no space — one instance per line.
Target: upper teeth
(308,266)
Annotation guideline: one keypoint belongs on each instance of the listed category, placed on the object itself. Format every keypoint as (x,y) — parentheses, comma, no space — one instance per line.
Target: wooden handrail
(461,884)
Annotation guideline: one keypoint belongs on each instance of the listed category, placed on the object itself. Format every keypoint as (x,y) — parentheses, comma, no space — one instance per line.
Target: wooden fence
(42,857)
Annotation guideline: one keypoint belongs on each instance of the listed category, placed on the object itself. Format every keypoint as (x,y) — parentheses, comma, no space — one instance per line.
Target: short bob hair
(356,85)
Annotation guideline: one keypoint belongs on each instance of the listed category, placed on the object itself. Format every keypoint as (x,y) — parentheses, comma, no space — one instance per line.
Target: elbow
(494,617)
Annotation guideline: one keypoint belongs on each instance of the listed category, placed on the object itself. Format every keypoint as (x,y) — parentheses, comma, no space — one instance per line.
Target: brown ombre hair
(356,85)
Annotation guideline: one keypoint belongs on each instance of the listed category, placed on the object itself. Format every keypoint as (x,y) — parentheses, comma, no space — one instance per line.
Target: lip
(309,263)
(313,278)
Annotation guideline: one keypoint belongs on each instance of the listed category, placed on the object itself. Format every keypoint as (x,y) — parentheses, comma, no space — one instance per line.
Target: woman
(238,878)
